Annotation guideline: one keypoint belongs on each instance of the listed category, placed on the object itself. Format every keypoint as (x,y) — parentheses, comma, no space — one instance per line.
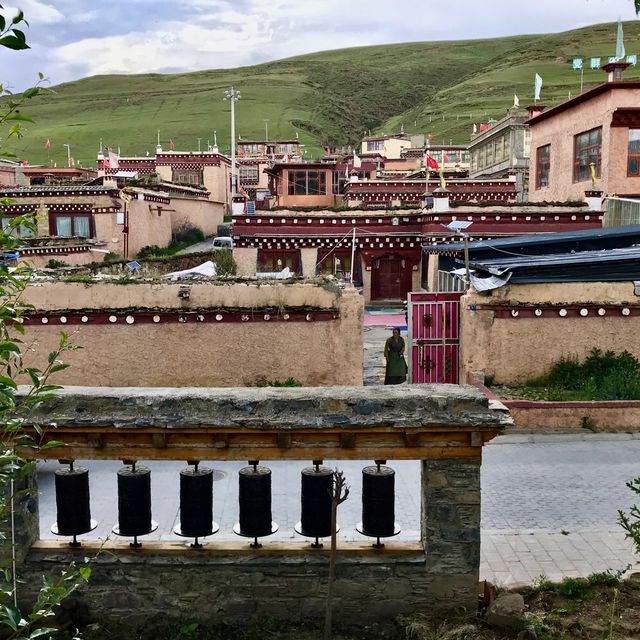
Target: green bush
(574,588)
(262,381)
(225,264)
(600,376)
(187,234)
(56,264)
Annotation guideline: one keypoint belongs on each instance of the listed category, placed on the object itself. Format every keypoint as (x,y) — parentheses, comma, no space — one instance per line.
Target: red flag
(484,127)
(429,137)
(171,144)
(430,162)
(47,144)
(105,163)
(445,158)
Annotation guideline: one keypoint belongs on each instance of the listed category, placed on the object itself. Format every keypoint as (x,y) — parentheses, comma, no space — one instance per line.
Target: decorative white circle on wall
(515,313)
(113,319)
(584,312)
(245,318)
(308,317)
(286,316)
(562,313)
(219,317)
(84,319)
(602,312)
(626,311)
(63,319)
(45,320)
(129,319)
(267,317)
(156,319)
(538,312)
(200,318)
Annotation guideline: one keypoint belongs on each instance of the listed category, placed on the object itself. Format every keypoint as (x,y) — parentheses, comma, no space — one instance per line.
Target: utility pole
(266,130)
(233,95)
(68,153)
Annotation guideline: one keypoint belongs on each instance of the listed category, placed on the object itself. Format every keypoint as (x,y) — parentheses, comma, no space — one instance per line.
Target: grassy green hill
(328,98)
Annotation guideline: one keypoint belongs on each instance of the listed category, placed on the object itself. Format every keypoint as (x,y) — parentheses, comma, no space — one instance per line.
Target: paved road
(548,508)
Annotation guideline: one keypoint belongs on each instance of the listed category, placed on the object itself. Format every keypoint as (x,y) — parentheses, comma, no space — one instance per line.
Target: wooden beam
(213,444)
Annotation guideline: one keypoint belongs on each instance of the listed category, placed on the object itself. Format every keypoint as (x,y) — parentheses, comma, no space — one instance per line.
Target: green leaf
(19,116)
(3,22)
(44,631)
(59,367)
(7,345)
(11,616)
(13,42)
(8,382)
(85,573)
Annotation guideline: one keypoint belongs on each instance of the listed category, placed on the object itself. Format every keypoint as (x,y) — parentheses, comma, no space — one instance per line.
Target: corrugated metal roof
(607,265)
(610,236)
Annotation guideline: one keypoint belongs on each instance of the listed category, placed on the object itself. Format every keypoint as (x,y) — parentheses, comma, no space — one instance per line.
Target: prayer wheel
(196,504)
(315,499)
(378,502)
(134,503)
(254,497)
(73,511)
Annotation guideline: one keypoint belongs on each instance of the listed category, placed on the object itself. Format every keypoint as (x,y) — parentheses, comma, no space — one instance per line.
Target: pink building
(600,127)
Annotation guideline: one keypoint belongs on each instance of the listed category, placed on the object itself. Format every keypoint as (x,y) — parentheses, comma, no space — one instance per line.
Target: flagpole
(353,254)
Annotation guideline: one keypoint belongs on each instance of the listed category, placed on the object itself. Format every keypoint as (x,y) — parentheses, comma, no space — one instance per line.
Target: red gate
(434,337)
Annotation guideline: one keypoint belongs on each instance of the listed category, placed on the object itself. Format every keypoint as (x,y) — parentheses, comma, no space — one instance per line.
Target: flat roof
(583,97)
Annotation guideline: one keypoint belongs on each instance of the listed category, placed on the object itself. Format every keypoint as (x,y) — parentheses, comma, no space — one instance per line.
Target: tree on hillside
(16,435)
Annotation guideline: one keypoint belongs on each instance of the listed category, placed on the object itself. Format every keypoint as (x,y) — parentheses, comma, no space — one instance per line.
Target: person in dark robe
(396,369)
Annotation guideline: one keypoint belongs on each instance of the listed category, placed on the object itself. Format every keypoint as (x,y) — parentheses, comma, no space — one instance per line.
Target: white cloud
(203,34)
(36,11)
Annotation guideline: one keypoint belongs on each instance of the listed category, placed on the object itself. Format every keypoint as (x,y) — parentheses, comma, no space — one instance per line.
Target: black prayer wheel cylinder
(378,501)
(134,501)
(316,502)
(255,501)
(196,502)
(72,501)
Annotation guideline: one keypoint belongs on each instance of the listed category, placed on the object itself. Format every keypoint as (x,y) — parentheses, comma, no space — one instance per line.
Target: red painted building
(391,247)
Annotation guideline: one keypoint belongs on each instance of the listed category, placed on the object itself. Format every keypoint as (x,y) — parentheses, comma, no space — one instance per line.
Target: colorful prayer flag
(357,163)
(484,127)
(47,144)
(171,144)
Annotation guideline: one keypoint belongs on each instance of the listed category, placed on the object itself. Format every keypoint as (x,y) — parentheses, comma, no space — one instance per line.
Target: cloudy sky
(71,39)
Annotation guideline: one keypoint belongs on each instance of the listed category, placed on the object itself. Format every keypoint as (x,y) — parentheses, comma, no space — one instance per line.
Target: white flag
(620,51)
(516,100)
(357,163)
(538,88)
(114,159)
(475,128)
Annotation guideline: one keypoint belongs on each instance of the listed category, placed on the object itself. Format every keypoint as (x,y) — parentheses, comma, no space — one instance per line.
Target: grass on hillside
(327,98)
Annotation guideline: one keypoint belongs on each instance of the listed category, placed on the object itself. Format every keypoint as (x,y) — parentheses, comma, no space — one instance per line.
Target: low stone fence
(545,415)
(618,415)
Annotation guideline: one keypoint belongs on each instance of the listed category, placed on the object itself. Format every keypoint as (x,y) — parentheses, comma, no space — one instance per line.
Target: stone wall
(231,353)
(516,348)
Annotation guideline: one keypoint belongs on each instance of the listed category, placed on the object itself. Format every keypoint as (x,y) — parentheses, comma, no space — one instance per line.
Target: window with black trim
(543,164)
(587,151)
(190,177)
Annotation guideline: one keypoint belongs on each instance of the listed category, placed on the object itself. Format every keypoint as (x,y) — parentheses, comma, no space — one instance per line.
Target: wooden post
(339,495)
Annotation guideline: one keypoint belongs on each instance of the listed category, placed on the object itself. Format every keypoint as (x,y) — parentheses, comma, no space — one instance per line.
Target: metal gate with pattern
(434,337)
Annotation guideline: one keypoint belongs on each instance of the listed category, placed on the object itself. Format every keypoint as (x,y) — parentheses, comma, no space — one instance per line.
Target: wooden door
(391,278)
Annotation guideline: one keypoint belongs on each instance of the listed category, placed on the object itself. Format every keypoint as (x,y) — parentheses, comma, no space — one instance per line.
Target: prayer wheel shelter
(443,426)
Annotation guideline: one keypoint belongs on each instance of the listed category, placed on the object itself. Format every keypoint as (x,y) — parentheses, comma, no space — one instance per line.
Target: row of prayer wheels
(196,503)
